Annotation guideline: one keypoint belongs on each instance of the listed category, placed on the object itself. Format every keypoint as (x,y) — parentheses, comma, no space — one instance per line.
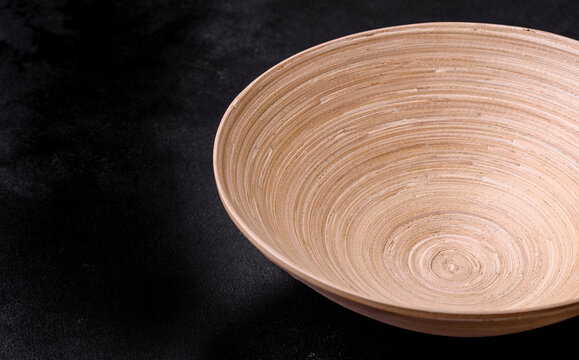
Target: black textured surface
(113,241)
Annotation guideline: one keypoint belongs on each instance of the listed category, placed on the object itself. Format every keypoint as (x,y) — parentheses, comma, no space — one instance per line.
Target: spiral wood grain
(425,175)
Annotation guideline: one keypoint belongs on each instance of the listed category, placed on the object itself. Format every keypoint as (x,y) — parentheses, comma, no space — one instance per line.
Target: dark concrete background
(113,241)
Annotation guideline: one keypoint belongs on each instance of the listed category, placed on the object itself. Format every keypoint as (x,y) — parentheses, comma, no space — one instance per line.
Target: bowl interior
(432,166)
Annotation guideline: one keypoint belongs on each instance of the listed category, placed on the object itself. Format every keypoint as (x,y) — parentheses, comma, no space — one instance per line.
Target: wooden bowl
(425,175)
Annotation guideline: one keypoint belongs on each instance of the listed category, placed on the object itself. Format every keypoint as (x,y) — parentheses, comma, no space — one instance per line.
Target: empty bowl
(425,175)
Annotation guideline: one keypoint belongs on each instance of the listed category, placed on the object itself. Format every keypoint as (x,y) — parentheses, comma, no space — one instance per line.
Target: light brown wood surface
(424,175)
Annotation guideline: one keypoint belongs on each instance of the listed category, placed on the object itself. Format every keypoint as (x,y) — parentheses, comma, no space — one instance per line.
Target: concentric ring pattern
(432,166)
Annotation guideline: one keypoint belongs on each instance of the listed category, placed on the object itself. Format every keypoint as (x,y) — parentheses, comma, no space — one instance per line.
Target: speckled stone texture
(113,241)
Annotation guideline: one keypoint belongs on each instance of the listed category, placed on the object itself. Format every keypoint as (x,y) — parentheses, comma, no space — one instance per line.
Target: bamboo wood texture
(424,175)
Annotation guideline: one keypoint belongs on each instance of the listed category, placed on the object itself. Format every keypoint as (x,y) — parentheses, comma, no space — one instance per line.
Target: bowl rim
(307,277)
